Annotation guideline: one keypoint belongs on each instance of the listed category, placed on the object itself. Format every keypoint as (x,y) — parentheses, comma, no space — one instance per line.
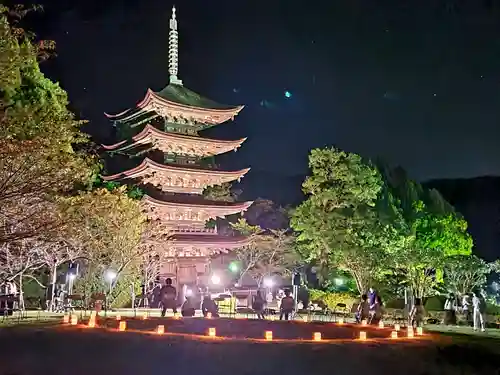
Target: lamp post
(110,276)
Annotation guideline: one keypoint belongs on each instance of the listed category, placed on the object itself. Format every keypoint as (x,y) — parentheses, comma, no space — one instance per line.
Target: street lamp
(110,276)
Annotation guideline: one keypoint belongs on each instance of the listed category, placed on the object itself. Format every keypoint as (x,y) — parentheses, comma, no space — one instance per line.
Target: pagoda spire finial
(173,50)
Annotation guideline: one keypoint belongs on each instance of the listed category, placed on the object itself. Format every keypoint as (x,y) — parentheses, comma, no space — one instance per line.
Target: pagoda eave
(177,143)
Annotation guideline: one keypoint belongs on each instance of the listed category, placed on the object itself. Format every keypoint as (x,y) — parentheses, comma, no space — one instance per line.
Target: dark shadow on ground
(38,351)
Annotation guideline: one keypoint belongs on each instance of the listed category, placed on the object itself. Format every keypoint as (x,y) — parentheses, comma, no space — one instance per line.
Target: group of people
(472,308)
(286,305)
(370,309)
(168,300)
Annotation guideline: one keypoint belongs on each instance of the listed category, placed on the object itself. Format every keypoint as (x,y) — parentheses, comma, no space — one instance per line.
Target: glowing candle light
(268,335)
(410,333)
(122,326)
(341,320)
(209,315)
(145,316)
(177,315)
(420,331)
(364,322)
(317,336)
(304,319)
(381,324)
(66,319)
(397,327)
(211,332)
(74,320)
(160,329)
(118,317)
(394,334)
(362,335)
(91,323)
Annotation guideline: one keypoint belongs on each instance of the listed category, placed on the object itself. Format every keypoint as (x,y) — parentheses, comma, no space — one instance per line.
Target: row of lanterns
(268,335)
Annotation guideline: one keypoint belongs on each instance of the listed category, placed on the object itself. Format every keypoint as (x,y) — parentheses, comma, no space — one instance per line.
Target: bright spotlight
(110,275)
(268,282)
(189,292)
(215,279)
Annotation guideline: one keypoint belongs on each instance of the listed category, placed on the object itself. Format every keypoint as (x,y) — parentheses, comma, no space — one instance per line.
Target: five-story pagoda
(172,164)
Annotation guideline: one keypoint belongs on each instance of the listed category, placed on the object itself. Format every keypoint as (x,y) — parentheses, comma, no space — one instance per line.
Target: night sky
(412,82)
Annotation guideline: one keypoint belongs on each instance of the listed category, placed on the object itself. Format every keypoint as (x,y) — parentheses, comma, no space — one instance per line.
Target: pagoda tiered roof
(178,104)
(199,245)
(176,178)
(201,211)
(177,143)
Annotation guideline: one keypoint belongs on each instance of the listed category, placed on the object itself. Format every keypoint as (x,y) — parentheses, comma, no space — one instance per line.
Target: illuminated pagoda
(174,166)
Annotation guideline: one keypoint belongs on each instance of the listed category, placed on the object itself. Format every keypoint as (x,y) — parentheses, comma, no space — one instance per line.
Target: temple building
(173,164)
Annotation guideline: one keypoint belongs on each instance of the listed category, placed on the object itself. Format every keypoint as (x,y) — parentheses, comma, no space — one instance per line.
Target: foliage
(338,224)
(332,299)
(266,214)
(268,252)
(464,274)
(222,193)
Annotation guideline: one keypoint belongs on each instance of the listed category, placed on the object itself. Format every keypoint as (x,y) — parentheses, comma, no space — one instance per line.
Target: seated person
(187,308)
(376,311)
(209,306)
(363,312)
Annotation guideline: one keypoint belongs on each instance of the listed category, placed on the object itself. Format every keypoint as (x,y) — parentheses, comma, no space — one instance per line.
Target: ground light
(91,323)
(118,317)
(410,333)
(362,336)
(304,318)
(160,329)
(420,331)
(145,315)
(364,322)
(66,319)
(122,326)
(74,320)
(317,336)
(341,321)
(209,315)
(394,334)
(233,267)
(381,324)
(211,332)
(397,327)
(268,335)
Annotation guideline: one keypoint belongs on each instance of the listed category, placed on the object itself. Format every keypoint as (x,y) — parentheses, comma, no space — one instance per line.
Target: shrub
(331,299)
(435,303)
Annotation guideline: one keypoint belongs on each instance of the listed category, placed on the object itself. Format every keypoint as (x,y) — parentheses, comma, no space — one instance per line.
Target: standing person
(466,309)
(372,298)
(450,308)
(363,311)
(168,297)
(258,305)
(287,305)
(376,311)
(417,314)
(479,306)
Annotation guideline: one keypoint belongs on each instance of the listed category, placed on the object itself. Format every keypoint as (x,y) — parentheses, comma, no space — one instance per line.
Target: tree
(339,223)
(266,214)
(268,252)
(464,274)
(432,232)
(223,193)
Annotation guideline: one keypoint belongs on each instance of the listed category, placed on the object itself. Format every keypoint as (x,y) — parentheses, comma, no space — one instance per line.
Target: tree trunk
(53,287)
(21,293)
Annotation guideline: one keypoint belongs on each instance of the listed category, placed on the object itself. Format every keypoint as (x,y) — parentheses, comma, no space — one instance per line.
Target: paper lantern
(420,331)
(268,335)
(304,319)
(211,332)
(381,324)
(118,317)
(91,323)
(177,315)
(209,315)
(341,320)
(397,327)
(145,316)
(394,334)
(364,322)
(66,319)
(362,335)
(74,320)
(122,326)
(160,329)
(410,333)
(317,336)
